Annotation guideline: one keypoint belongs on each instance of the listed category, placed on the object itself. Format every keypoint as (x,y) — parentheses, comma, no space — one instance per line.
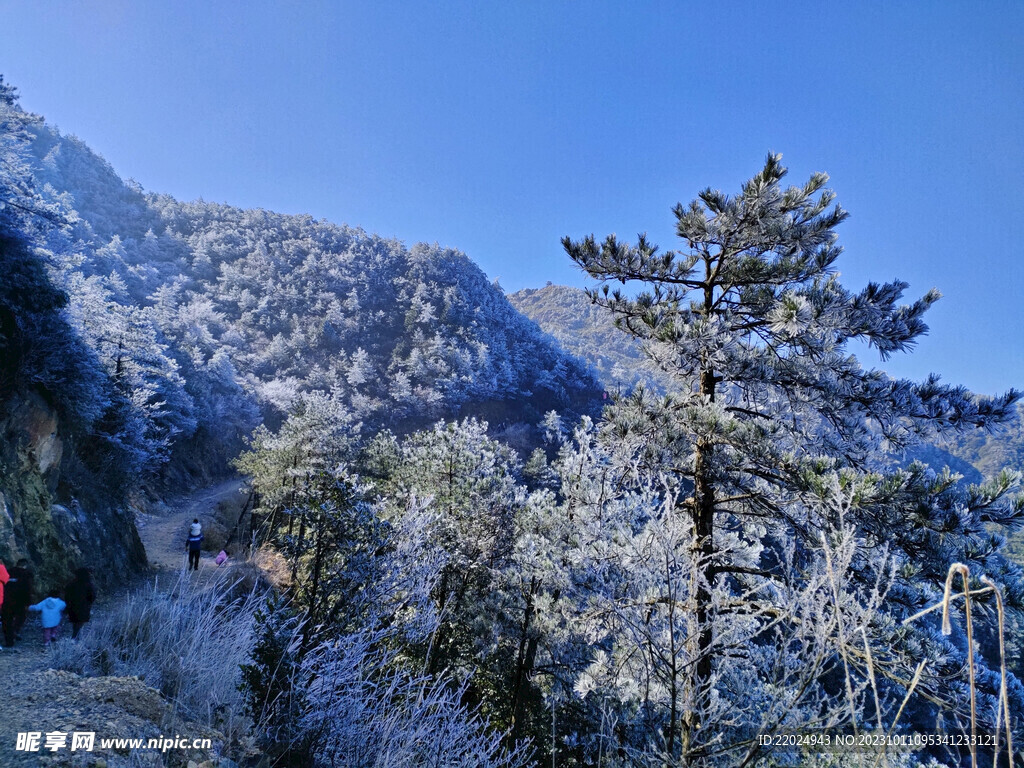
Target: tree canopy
(776,436)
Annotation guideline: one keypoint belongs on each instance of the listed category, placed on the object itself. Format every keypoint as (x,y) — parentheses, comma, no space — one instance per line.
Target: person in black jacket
(193,544)
(79,595)
(17,598)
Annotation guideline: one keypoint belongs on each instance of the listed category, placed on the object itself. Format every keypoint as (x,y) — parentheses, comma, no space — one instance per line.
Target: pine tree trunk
(524,665)
(702,511)
(297,547)
(314,597)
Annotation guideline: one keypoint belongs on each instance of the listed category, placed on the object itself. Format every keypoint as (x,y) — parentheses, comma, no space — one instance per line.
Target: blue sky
(497,128)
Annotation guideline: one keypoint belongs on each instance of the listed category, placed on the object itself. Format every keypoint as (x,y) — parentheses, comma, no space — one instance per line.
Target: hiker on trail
(193,544)
(50,608)
(222,557)
(79,595)
(17,598)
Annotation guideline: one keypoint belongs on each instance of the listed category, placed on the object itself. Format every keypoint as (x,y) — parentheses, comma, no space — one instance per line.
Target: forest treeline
(479,568)
(214,319)
(588,331)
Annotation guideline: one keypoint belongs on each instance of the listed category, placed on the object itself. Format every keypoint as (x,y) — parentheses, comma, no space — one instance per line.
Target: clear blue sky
(498,127)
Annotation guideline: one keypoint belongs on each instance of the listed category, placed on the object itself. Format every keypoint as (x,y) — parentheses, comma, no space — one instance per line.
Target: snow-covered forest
(487,563)
(214,319)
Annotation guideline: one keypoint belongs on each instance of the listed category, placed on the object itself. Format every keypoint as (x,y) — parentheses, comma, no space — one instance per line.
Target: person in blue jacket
(50,608)
(194,544)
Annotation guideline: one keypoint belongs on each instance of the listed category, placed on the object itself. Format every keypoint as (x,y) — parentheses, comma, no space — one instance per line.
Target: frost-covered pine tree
(300,477)
(772,421)
(21,206)
(468,481)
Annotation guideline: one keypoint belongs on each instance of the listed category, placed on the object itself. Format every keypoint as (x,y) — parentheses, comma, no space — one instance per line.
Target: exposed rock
(36,423)
(57,535)
(7,543)
(111,708)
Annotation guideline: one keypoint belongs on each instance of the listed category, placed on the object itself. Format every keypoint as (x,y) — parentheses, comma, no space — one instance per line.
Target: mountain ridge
(568,314)
(292,304)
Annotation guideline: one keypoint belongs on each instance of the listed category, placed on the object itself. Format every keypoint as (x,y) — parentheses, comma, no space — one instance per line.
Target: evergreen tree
(751,320)
(469,481)
(292,470)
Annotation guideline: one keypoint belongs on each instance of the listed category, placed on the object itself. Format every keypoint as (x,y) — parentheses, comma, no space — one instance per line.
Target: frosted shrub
(187,641)
(367,711)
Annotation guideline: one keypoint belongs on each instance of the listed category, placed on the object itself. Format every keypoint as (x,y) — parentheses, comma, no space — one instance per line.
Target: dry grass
(186,640)
(949,596)
(1002,709)
(273,566)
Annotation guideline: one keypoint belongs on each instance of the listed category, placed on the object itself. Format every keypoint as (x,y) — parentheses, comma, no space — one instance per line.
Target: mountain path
(163,535)
(37,698)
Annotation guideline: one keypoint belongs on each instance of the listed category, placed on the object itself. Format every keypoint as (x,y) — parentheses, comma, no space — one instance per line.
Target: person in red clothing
(4,578)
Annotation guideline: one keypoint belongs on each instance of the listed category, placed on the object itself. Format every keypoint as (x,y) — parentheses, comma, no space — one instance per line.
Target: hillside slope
(142,339)
(63,462)
(220,317)
(589,332)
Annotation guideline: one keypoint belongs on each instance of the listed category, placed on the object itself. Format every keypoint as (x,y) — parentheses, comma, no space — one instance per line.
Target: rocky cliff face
(42,520)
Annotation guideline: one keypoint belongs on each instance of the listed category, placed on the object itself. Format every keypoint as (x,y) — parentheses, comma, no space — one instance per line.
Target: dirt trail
(36,698)
(164,535)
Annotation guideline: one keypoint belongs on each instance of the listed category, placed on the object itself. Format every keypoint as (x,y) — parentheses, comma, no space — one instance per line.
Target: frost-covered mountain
(589,332)
(220,317)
